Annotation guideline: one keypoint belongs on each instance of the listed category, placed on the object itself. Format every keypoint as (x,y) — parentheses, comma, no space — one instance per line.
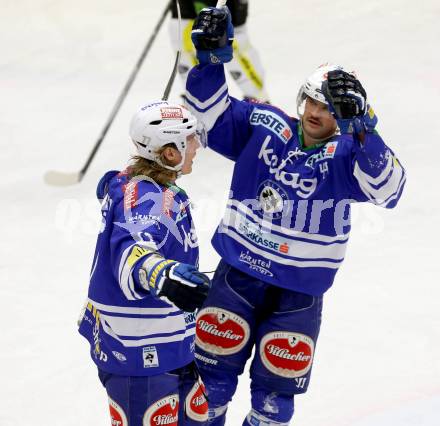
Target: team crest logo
(196,404)
(163,412)
(221,332)
(271,198)
(287,354)
(117,414)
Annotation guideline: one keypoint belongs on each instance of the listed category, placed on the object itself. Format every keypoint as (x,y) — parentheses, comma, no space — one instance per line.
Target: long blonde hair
(152,169)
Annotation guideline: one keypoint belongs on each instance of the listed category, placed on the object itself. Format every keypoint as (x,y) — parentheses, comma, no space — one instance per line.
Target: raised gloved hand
(180,283)
(212,35)
(348,102)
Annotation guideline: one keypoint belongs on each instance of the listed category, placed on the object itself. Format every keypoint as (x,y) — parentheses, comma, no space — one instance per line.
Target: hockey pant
(240,313)
(245,68)
(173,398)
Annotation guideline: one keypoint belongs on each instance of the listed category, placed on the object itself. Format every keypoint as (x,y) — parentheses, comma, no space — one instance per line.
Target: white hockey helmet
(160,123)
(312,86)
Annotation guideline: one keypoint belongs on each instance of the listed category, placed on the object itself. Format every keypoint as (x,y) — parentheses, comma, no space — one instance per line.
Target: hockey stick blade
(55,178)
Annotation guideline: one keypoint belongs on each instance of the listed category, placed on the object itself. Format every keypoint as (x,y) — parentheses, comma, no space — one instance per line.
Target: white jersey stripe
(133,311)
(205,104)
(287,231)
(210,117)
(387,190)
(306,250)
(291,262)
(149,340)
(125,279)
(396,194)
(384,174)
(138,327)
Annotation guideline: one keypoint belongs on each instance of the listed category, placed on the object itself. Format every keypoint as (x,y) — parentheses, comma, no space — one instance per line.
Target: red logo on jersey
(167,202)
(170,113)
(287,354)
(284,248)
(130,195)
(286,134)
(221,332)
(196,404)
(117,414)
(330,149)
(163,412)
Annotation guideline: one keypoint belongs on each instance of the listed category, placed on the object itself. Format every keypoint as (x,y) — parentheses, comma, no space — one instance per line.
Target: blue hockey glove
(212,35)
(348,103)
(180,283)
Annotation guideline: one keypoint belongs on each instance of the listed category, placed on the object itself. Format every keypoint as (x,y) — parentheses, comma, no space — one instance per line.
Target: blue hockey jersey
(131,332)
(287,221)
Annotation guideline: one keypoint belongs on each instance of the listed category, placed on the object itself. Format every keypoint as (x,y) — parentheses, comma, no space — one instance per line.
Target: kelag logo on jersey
(273,122)
(305,187)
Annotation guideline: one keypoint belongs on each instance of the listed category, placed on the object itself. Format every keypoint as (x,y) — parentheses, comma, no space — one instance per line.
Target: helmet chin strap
(177,168)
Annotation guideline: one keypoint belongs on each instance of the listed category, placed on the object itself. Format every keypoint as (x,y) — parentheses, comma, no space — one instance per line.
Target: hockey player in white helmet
(145,285)
(161,125)
(318,123)
(286,225)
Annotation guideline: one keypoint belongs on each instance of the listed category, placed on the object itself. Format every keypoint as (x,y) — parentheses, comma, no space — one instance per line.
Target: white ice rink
(62,66)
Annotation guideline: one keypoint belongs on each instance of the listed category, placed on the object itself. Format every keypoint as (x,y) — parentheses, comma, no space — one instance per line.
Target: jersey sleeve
(376,174)
(225,118)
(139,229)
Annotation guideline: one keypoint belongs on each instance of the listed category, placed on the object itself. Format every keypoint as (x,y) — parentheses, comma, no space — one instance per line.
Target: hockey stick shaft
(125,90)
(220,4)
(169,85)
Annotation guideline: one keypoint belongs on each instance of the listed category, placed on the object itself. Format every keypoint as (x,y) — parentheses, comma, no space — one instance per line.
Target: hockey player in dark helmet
(145,286)
(287,223)
(246,68)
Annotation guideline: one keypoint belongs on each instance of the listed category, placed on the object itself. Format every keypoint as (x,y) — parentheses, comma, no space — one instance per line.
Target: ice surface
(62,65)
